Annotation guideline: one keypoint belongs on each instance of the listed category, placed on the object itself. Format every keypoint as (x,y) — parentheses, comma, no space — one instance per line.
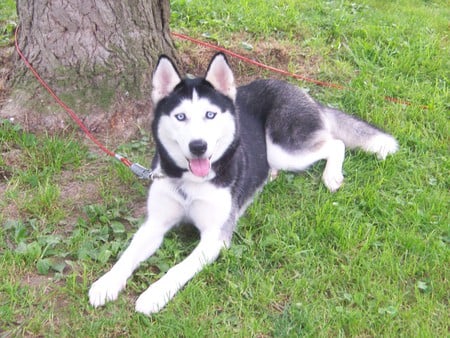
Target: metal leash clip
(141,172)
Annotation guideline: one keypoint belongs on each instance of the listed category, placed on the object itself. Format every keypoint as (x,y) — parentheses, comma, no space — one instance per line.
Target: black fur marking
(168,166)
(297,116)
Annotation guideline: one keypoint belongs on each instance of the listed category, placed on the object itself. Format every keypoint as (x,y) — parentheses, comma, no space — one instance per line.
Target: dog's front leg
(163,213)
(144,243)
(162,291)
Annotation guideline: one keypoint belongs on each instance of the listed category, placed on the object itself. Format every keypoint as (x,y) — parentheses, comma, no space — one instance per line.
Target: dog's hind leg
(330,149)
(163,214)
(332,175)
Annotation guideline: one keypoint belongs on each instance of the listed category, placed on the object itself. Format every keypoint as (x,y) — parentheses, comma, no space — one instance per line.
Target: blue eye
(210,115)
(180,116)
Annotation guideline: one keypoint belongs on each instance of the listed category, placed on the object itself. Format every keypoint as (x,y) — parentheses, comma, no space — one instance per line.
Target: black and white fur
(215,147)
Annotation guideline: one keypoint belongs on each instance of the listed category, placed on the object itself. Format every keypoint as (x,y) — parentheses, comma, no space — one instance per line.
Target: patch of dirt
(44,283)
(270,51)
(5,174)
(76,194)
(113,128)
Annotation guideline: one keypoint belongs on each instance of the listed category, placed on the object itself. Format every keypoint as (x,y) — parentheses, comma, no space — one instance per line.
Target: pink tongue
(200,166)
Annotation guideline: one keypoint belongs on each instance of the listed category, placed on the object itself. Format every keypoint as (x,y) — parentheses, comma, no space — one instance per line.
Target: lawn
(371,260)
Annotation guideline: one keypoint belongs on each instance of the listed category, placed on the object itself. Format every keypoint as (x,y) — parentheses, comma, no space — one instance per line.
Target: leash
(137,169)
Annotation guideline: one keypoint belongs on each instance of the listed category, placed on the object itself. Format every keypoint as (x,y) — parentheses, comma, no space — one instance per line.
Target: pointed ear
(165,78)
(219,74)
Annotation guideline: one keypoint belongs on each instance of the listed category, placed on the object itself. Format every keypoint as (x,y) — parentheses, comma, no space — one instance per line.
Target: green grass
(370,260)
(8,17)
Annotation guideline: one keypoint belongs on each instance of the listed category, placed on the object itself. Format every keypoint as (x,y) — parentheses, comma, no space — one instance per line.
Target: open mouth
(199,166)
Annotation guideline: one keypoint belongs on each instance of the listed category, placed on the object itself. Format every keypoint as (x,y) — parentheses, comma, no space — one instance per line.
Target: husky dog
(215,146)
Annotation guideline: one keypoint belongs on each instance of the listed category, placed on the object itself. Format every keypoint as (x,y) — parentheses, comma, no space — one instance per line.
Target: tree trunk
(93,53)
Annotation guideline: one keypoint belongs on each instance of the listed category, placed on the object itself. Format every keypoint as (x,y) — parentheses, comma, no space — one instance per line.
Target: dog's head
(194,123)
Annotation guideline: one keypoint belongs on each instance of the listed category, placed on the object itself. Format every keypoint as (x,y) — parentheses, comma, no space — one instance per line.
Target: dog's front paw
(154,298)
(105,289)
(332,180)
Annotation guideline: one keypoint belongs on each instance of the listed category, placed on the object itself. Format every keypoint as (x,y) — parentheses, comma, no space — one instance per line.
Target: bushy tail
(356,133)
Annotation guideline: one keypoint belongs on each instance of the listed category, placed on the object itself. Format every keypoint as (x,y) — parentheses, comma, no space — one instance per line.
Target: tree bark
(93,53)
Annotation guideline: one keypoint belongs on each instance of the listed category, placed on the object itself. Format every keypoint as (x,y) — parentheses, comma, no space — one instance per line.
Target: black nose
(198,147)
